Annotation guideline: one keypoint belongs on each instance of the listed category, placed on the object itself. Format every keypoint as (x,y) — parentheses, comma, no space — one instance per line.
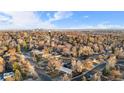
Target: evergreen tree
(18,48)
(16,66)
(106,70)
(18,75)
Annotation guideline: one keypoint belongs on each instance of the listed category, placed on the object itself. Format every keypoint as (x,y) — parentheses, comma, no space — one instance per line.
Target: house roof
(66,70)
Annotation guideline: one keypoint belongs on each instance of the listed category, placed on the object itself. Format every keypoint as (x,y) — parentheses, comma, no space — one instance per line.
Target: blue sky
(61,19)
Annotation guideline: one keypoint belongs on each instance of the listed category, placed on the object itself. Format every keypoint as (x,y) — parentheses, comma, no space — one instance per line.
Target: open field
(62,55)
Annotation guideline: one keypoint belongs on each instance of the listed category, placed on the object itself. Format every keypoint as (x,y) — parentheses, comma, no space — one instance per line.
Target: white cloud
(86,16)
(99,26)
(4,19)
(23,17)
(48,15)
(24,20)
(60,15)
(109,26)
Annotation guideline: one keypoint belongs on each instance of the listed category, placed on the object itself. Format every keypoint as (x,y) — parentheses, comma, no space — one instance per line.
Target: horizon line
(63,29)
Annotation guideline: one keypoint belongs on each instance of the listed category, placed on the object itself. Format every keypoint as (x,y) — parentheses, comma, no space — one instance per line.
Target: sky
(61,19)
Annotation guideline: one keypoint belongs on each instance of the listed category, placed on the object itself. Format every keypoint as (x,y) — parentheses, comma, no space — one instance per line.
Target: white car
(9,74)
